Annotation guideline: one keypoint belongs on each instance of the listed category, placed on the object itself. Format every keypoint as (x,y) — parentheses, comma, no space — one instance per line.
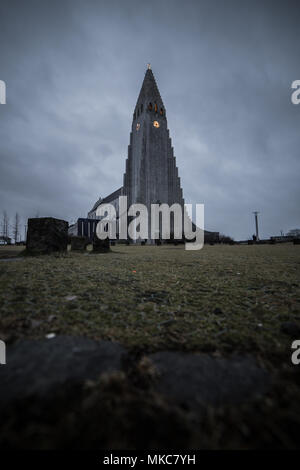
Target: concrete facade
(151,173)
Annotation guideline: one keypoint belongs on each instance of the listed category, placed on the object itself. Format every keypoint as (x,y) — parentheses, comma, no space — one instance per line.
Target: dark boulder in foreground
(193,380)
(46,235)
(77,393)
(37,367)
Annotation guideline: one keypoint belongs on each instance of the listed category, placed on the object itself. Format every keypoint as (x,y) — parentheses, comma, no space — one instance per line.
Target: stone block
(78,243)
(46,235)
(100,246)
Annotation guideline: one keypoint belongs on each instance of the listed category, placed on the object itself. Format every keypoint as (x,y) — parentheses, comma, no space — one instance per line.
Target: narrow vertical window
(150,107)
(155,107)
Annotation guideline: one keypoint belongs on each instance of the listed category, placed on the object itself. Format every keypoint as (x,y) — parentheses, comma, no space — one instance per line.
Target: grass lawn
(218,299)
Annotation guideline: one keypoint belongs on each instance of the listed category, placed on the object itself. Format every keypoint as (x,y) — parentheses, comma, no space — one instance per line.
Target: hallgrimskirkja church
(151,174)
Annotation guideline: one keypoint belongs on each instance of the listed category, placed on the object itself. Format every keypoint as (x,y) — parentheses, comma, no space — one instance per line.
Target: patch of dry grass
(221,298)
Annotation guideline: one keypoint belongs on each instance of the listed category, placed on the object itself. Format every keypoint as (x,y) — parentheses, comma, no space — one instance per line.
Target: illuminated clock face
(138,126)
(156,124)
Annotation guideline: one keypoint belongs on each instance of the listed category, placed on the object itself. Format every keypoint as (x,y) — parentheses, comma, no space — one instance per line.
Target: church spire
(149,94)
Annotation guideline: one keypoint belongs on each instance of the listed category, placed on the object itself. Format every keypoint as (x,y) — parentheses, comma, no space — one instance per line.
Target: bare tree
(225,238)
(16,227)
(5,224)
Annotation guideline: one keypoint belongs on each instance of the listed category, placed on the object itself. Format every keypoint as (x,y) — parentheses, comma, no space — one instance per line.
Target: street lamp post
(256,224)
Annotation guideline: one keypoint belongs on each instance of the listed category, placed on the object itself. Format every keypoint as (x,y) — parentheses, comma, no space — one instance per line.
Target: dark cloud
(73,71)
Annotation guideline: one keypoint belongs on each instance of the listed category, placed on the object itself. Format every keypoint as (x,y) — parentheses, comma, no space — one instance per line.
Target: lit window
(155,107)
(156,124)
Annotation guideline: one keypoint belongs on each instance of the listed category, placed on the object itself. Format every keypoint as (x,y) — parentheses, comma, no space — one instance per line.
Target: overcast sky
(73,71)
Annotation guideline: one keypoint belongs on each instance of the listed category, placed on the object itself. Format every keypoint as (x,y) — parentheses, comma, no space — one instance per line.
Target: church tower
(151,173)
